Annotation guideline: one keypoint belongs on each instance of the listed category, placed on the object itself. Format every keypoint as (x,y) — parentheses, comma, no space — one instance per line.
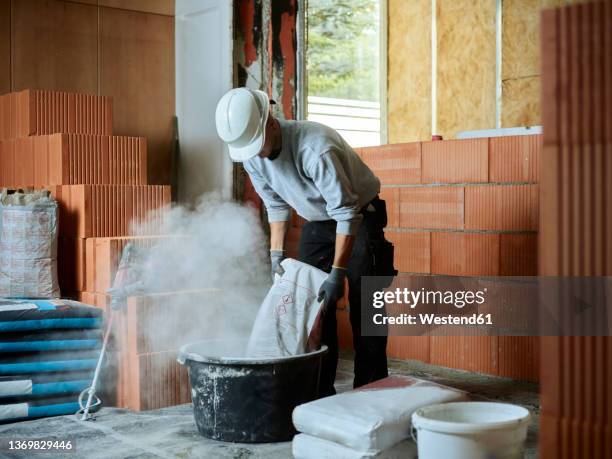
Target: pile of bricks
(463,208)
(64,142)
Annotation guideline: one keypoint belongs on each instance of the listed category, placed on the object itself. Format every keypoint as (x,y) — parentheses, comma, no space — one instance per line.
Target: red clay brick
(395,164)
(102,256)
(103,210)
(472,353)
(345,332)
(37,112)
(455,161)
(391,198)
(409,348)
(519,357)
(71,264)
(431,207)
(465,254)
(519,254)
(502,207)
(515,158)
(412,251)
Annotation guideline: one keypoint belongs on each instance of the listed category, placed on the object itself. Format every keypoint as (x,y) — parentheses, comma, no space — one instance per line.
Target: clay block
(412,251)
(409,348)
(345,332)
(465,254)
(431,207)
(37,112)
(472,353)
(502,207)
(519,357)
(515,158)
(391,198)
(102,256)
(292,242)
(519,254)
(71,264)
(109,210)
(395,164)
(155,381)
(455,161)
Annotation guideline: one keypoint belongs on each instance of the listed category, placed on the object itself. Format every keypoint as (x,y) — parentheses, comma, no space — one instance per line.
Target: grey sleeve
(342,203)
(278,210)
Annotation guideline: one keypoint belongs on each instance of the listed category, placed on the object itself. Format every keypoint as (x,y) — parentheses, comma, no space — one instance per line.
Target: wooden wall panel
(137,70)
(5,46)
(54,46)
(165,7)
(409,71)
(466,65)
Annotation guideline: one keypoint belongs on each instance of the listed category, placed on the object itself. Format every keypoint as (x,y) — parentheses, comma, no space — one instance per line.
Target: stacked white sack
(28,245)
(308,447)
(289,321)
(373,418)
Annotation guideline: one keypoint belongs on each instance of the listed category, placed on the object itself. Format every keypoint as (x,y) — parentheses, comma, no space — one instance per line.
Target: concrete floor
(171,432)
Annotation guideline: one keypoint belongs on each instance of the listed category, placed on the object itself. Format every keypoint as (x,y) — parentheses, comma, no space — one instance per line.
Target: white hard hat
(241,118)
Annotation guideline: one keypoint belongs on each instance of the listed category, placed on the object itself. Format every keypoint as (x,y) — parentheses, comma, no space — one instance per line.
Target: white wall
(203,75)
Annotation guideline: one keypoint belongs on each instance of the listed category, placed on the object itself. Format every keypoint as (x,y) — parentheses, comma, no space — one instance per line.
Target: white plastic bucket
(471,430)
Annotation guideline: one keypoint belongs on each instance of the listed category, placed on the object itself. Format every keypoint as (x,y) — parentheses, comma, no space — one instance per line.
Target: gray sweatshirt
(317,174)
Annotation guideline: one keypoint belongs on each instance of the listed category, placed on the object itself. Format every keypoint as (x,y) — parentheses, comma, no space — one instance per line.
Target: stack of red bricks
(463,208)
(64,142)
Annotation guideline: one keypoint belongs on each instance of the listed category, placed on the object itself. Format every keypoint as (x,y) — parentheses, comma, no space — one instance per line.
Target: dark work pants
(317,248)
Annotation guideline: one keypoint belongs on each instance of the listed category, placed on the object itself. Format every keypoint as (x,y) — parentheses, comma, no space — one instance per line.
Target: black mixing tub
(247,400)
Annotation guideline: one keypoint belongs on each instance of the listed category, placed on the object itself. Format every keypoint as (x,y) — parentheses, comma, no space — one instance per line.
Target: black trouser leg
(317,247)
(370,351)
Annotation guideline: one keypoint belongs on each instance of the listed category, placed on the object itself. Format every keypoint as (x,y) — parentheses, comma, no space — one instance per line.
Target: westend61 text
(432,319)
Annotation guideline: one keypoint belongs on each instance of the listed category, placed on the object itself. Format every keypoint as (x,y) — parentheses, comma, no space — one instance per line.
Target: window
(343,68)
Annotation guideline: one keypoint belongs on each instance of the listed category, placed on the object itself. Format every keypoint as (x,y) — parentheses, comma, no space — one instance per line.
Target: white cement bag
(28,245)
(372,418)
(288,321)
(306,446)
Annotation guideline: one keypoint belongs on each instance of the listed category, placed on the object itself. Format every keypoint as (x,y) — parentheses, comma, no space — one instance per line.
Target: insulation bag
(38,408)
(306,446)
(28,245)
(16,388)
(33,315)
(59,340)
(43,362)
(289,319)
(374,417)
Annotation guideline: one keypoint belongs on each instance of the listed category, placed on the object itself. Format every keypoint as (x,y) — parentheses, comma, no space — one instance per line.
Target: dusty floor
(172,433)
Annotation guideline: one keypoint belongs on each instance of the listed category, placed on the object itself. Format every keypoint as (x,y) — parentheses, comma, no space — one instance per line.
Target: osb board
(165,7)
(521,36)
(466,66)
(5,46)
(521,102)
(54,45)
(137,70)
(409,71)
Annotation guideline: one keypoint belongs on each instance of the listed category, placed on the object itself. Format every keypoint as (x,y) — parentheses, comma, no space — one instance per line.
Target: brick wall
(466,208)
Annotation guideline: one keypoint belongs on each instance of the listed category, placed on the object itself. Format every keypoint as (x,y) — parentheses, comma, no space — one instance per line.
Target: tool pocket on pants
(382,255)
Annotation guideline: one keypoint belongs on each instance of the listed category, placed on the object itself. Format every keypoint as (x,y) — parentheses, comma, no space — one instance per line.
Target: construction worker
(309,167)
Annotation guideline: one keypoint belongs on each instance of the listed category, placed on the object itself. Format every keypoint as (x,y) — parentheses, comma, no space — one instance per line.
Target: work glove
(332,289)
(276,256)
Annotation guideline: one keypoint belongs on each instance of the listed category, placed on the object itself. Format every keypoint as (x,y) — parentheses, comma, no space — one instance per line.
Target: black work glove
(276,256)
(332,289)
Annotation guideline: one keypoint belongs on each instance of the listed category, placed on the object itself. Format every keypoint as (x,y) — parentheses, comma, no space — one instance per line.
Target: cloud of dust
(214,262)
